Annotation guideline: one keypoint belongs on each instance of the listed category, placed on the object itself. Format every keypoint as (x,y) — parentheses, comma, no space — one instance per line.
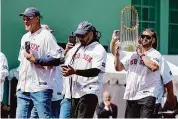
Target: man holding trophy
(143,74)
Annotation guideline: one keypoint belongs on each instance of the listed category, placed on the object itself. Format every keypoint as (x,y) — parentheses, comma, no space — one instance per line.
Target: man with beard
(143,76)
(85,66)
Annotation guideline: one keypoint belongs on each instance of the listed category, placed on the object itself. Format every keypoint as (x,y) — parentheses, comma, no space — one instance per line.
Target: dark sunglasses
(81,36)
(27,18)
(147,37)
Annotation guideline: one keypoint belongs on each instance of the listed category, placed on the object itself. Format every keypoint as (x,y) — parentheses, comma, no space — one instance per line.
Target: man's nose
(25,21)
(145,38)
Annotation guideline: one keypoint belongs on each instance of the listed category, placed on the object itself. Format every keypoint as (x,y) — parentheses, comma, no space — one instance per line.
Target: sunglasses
(81,36)
(147,37)
(27,18)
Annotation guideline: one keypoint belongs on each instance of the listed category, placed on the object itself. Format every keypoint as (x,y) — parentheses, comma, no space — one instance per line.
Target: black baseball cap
(84,27)
(31,12)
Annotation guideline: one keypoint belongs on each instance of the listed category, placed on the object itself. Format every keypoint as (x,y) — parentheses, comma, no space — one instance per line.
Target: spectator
(106,109)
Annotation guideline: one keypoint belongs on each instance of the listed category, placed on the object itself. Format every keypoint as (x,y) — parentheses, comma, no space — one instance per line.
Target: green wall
(61,15)
(164,26)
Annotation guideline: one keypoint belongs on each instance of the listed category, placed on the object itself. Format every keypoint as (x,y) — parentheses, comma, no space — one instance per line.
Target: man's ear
(38,18)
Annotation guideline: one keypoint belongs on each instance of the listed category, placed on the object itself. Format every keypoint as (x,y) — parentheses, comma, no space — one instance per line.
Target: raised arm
(114,40)
(117,63)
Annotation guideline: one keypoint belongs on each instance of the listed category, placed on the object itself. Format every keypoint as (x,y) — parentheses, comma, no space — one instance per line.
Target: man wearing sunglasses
(85,65)
(39,55)
(143,77)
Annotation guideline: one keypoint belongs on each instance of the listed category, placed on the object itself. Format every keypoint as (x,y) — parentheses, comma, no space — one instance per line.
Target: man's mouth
(144,42)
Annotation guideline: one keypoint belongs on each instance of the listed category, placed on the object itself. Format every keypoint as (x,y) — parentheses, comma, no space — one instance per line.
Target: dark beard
(147,45)
(83,44)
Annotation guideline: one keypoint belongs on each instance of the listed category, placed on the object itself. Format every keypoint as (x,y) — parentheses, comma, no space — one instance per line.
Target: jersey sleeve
(1,91)
(3,67)
(20,54)
(21,49)
(51,47)
(166,73)
(157,58)
(99,60)
(3,74)
(125,61)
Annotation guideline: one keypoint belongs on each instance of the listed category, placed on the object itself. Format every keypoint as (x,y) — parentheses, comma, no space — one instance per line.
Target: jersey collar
(91,44)
(36,32)
(148,51)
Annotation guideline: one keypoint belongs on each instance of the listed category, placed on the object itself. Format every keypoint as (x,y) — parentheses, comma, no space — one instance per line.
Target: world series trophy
(129,29)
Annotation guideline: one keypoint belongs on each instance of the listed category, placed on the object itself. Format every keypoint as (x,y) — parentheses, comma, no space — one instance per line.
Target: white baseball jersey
(166,77)
(87,57)
(58,85)
(141,82)
(32,77)
(3,73)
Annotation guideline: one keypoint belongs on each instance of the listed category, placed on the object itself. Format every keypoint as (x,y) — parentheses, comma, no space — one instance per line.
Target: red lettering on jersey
(135,61)
(131,62)
(141,62)
(87,58)
(34,46)
(90,59)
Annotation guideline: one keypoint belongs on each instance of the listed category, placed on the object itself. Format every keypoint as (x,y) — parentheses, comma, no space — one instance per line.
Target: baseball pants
(142,108)
(85,106)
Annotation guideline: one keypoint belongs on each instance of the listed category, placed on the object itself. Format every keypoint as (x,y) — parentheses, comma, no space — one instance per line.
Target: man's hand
(115,38)
(115,35)
(67,71)
(114,44)
(68,47)
(30,57)
(139,48)
(6,108)
(107,105)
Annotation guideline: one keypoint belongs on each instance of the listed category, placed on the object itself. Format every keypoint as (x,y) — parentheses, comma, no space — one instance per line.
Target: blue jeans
(34,113)
(40,100)
(65,108)
(55,106)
